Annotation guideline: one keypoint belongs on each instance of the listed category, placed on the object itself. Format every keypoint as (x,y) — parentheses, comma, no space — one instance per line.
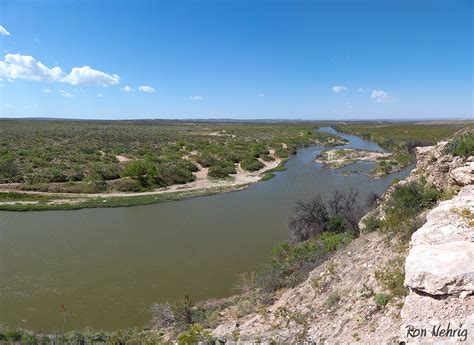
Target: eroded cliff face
(439,272)
(336,303)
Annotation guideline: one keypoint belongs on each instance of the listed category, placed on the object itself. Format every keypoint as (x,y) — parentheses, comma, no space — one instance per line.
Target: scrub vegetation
(94,157)
(400,138)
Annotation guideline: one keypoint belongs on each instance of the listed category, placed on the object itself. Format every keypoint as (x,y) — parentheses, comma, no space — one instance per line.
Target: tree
(341,213)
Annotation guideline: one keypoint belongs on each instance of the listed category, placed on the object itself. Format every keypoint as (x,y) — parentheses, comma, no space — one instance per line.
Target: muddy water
(107,266)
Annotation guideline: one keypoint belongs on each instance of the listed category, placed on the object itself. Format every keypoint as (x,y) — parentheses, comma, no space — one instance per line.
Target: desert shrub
(404,205)
(140,170)
(126,185)
(206,159)
(9,171)
(332,301)
(251,164)
(162,315)
(341,213)
(462,145)
(381,299)
(290,264)
(169,173)
(391,277)
(221,170)
(371,223)
(195,335)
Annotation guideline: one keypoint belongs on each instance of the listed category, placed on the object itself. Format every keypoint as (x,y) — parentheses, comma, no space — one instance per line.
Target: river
(107,266)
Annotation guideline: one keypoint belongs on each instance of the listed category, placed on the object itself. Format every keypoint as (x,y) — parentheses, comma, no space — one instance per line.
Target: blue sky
(236,59)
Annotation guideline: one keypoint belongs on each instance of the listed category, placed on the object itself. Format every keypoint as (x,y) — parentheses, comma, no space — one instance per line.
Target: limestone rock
(464,175)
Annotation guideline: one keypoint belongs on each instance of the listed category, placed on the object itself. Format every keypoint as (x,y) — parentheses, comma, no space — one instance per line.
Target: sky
(237,59)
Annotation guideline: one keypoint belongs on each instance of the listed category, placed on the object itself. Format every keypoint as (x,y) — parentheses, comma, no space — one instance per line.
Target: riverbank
(12,198)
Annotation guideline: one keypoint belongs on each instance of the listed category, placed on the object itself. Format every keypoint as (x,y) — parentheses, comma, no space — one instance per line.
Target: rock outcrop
(439,268)
(439,272)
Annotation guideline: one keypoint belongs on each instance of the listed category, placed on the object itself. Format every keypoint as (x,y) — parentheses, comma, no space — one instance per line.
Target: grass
(126,201)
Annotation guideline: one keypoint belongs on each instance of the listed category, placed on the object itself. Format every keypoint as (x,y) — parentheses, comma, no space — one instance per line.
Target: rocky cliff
(342,300)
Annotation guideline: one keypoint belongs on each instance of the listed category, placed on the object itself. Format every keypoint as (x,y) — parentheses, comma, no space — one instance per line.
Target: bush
(251,164)
(381,299)
(404,205)
(332,301)
(341,213)
(221,170)
(392,276)
(291,264)
(462,146)
(9,172)
(140,170)
(195,335)
(126,185)
(371,223)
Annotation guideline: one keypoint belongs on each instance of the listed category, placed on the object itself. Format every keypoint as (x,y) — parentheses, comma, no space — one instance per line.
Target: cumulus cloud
(88,75)
(100,95)
(47,91)
(127,88)
(380,96)
(16,66)
(196,98)
(146,88)
(3,31)
(339,88)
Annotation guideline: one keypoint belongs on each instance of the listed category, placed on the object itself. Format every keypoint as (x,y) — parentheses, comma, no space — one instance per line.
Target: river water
(107,266)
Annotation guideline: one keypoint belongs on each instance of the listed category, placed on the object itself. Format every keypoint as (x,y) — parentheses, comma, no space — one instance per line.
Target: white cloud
(127,88)
(361,89)
(3,31)
(196,98)
(146,88)
(66,94)
(16,66)
(88,75)
(100,95)
(47,91)
(380,96)
(339,88)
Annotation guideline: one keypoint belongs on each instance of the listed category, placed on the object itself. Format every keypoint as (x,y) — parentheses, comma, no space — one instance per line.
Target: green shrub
(404,205)
(332,301)
(371,223)
(381,299)
(221,170)
(391,277)
(291,264)
(140,170)
(195,335)
(126,185)
(462,146)
(251,164)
